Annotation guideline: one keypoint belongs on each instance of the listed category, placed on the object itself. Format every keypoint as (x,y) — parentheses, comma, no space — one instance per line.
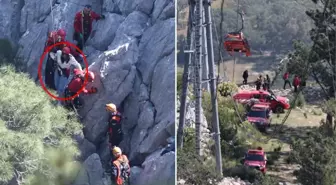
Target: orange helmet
(66,50)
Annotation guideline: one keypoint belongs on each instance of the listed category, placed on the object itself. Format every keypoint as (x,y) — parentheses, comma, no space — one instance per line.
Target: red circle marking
(40,73)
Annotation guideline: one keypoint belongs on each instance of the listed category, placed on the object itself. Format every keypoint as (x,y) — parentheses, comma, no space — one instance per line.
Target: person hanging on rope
(65,62)
(83,25)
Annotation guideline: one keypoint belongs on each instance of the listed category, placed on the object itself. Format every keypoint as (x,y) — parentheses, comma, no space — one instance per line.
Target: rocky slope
(132,54)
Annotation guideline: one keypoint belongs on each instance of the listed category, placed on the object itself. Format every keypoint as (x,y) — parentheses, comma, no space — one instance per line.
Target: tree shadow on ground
(286,133)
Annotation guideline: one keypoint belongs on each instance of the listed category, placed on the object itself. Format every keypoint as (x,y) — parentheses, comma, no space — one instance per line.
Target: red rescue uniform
(76,84)
(80,18)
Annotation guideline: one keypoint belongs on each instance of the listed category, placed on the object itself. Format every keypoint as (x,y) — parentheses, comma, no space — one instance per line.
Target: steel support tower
(196,8)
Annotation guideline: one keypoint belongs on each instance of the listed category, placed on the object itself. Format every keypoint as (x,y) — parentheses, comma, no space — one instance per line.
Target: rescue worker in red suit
(296,82)
(120,168)
(53,38)
(83,25)
(76,84)
(114,125)
(286,80)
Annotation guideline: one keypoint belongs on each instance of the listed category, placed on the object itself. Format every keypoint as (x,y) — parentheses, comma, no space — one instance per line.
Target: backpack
(124,170)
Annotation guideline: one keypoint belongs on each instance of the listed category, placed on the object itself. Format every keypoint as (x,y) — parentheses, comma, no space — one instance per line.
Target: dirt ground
(295,126)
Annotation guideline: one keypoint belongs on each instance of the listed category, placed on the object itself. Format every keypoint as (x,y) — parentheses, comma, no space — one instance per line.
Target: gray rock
(110,6)
(34,12)
(91,172)
(168,11)
(106,30)
(10,13)
(158,170)
(134,25)
(159,6)
(144,6)
(86,148)
(135,172)
(125,6)
(156,43)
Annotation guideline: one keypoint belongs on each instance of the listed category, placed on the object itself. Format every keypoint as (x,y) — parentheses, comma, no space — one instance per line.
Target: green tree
(31,129)
(316,156)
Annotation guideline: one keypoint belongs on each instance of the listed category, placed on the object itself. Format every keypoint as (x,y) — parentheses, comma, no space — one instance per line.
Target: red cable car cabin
(235,42)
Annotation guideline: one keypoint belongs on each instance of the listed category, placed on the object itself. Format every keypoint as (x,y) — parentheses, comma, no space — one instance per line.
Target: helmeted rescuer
(76,84)
(114,125)
(83,25)
(120,167)
(53,38)
(65,63)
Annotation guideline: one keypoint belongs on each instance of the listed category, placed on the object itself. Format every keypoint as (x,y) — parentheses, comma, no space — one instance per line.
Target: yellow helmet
(111,107)
(116,151)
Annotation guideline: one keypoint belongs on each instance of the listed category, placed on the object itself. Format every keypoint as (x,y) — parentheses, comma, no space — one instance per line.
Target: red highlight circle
(40,73)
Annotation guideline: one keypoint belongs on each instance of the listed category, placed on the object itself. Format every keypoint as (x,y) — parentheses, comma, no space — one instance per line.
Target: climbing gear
(116,151)
(111,107)
(123,169)
(66,50)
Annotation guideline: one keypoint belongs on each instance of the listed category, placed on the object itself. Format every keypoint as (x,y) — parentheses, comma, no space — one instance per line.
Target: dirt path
(296,126)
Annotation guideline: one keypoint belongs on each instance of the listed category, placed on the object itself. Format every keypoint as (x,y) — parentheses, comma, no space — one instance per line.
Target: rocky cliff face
(132,54)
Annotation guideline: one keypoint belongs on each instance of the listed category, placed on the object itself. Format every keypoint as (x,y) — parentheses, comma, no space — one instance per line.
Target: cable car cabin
(235,42)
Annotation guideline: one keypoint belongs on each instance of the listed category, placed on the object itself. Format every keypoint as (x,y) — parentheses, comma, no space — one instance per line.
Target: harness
(123,169)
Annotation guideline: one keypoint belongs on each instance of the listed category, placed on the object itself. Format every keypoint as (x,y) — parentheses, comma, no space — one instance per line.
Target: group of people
(64,68)
(296,82)
(64,73)
(265,82)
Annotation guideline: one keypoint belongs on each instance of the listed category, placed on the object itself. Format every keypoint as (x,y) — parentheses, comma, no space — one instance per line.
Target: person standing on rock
(53,38)
(296,83)
(286,80)
(76,84)
(83,25)
(114,125)
(120,168)
(245,76)
(267,82)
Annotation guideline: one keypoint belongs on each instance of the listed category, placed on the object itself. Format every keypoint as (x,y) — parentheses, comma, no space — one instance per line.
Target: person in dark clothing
(259,82)
(83,25)
(267,82)
(245,76)
(53,38)
(286,79)
(114,123)
(296,83)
